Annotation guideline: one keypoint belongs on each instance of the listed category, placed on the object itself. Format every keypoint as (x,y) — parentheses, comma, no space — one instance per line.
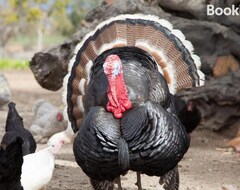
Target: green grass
(13,64)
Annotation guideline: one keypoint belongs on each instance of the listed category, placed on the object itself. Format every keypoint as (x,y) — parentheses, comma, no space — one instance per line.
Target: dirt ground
(208,165)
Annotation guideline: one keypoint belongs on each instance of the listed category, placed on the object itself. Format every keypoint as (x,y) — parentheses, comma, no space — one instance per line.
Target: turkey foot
(118,182)
(138,183)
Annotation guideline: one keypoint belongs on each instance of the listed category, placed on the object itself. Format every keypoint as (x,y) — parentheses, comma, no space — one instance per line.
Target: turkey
(119,96)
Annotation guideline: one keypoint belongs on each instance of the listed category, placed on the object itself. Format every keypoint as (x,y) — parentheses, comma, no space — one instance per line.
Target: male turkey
(119,97)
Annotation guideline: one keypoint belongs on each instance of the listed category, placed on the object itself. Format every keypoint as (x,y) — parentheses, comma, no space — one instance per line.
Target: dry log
(198,10)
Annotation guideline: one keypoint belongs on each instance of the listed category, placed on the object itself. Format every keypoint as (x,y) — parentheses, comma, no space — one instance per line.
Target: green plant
(13,64)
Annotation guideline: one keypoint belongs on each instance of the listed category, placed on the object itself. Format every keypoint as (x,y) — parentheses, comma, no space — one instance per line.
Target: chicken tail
(14,120)
(123,154)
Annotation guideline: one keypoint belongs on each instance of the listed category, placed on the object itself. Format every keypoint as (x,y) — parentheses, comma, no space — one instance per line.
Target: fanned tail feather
(173,54)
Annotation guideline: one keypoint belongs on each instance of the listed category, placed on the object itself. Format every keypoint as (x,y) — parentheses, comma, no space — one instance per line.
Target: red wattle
(118,101)
(127,104)
(117,114)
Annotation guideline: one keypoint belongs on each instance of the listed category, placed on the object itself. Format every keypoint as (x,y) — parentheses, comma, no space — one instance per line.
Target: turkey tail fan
(173,54)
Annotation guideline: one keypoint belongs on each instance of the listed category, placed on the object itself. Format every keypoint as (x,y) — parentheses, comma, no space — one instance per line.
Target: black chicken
(188,114)
(11,160)
(14,128)
(120,96)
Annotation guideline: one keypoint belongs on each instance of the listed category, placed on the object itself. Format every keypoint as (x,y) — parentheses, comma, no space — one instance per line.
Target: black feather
(15,128)
(123,154)
(96,147)
(101,185)
(166,143)
(11,160)
(170,180)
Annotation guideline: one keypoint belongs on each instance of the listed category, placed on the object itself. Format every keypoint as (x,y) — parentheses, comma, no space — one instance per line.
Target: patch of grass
(13,64)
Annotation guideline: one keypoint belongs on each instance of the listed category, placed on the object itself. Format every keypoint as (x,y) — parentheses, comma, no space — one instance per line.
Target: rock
(225,64)
(5,93)
(229,187)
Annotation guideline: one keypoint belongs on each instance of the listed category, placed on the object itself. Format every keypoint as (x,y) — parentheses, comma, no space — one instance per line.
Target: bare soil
(208,165)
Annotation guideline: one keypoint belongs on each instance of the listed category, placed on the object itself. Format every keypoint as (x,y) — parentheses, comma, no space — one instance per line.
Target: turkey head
(117,92)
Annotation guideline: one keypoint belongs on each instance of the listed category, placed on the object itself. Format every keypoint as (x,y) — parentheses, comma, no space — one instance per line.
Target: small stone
(225,64)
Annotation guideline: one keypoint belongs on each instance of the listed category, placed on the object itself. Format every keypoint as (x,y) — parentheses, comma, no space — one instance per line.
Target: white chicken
(64,137)
(37,168)
(48,121)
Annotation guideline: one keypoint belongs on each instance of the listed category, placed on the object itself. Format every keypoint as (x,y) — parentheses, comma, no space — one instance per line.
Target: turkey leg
(138,183)
(118,182)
